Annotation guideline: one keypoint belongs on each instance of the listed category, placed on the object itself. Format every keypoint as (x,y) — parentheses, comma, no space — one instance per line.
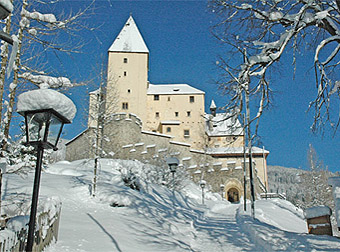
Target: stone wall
(124,139)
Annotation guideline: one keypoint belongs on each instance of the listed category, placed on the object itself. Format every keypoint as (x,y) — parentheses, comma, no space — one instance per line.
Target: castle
(148,122)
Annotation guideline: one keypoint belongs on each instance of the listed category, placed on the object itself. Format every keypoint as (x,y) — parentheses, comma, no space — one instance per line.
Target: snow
(7,4)
(129,39)
(48,18)
(317,211)
(52,82)
(235,150)
(159,219)
(44,98)
(171,122)
(171,89)
(222,124)
(335,183)
(212,105)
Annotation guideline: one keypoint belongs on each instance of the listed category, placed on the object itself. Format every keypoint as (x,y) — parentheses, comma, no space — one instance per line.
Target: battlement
(126,117)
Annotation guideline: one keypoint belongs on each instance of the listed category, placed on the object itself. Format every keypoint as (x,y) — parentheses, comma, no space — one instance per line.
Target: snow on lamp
(6,7)
(45,111)
(173,163)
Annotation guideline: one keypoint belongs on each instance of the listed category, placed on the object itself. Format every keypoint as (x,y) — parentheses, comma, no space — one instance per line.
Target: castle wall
(81,146)
(125,139)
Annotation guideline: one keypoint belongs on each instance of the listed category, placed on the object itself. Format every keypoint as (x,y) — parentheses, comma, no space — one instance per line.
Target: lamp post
(173,163)
(222,190)
(43,130)
(202,185)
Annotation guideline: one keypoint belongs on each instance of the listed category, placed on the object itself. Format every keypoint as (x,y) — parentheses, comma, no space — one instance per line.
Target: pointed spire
(129,39)
(213,108)
(213,105)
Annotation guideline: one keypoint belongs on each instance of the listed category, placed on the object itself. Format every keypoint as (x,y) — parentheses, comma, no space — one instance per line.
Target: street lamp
(202,185)
(222,191)
(45,111)
(173,163)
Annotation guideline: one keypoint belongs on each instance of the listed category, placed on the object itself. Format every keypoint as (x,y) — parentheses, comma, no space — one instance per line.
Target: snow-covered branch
(265,30)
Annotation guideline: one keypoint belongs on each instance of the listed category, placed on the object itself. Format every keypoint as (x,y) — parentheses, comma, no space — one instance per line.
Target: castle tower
(128,63)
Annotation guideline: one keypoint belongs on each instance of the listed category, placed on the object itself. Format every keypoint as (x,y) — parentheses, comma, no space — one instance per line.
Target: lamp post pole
(35,194)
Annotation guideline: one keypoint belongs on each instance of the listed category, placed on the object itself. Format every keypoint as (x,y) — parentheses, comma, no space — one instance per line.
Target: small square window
(125,60)
(186,133)
(156,97)
(157,114)
(168,129)
(188,113)
(125,105)
(192,99)
(176,114)
(125,73)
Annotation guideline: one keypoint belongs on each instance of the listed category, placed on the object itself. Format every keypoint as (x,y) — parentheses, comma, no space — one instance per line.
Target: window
(125,73)
(188,113)
(129,91)
(125,105)
(156,97)
(169,98)
(186,133)
(176,114)
(192,99)
(157,114)
(168,129)
(125,60)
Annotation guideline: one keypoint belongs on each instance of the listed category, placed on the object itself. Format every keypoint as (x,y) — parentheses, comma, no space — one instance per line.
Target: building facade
(144,118)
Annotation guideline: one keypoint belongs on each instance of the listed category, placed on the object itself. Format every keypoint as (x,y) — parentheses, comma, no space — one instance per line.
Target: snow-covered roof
(171,122)
(223,125)
(129,39)
(317,211)
(234,150)
(171,89)
(213,105)
(45,98)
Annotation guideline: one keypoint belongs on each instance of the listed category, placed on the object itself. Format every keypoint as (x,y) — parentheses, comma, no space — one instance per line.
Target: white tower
(128,63)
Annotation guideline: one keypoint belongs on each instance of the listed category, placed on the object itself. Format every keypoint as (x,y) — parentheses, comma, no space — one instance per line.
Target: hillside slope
(159,219)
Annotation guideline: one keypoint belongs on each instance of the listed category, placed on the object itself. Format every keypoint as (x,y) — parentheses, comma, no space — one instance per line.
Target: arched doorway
(233,195)
(233,190)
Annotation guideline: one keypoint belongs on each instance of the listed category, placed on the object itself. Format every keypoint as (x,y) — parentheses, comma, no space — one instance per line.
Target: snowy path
(162,220)
(159,222)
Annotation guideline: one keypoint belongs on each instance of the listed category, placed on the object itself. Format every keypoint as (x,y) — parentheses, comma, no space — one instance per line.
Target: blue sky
(182,50)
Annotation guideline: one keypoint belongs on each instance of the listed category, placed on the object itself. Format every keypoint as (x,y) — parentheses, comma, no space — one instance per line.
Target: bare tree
(261,31)
(36,34)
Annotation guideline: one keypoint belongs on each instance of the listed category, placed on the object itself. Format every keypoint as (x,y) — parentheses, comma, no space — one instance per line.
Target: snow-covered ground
(159,219)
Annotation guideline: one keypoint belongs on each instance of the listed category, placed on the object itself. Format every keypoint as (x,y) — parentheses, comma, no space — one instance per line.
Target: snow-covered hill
(159,219)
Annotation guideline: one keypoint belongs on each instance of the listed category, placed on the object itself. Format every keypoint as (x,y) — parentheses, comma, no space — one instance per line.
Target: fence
(13,237)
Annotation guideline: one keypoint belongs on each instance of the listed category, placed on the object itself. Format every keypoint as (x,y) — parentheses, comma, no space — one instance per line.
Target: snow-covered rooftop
(317,211)
(223,125)
(45,98)
(171,122)
(235,150)
(129,39)
(170,89)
